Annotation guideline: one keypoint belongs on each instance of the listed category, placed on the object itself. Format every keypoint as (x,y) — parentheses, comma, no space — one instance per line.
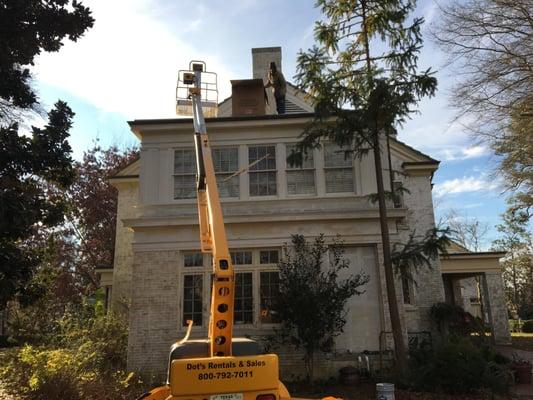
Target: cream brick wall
(428,289)
(153,317)
(128,194)
(154,230)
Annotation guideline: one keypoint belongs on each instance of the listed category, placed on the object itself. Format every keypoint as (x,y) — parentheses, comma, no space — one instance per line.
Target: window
(262,171)
(192,299)
(226,163)
(397,194)
(193,259)
(338,170)
(268,257)
(406,290)
(241,257)
(244,301)
(184,174)
(269,290)
(301,180)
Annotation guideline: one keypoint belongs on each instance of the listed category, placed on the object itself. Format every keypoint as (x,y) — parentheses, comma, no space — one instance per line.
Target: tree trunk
(396,325)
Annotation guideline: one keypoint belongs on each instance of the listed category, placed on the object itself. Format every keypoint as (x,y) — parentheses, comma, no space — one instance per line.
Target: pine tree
(364,81)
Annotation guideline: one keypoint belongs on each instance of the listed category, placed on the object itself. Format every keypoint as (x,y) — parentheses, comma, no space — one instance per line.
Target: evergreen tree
(35,170)
(364,82)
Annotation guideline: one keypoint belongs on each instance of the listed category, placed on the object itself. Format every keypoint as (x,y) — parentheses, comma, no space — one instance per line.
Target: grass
(522,341)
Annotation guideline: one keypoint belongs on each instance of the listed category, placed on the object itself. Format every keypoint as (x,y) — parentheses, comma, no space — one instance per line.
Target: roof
(138,122)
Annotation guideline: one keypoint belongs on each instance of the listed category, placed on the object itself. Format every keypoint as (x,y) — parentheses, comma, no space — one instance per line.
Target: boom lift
(220,367)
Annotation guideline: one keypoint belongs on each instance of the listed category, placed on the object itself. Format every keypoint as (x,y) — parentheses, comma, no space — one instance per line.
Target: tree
(34,171)
(517,274)
(488,43)
(468,232)
(29,27)
(93,210)
(312,299)
(364,82)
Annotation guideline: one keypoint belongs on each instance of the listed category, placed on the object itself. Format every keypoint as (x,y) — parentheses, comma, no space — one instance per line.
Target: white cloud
(475,151)
(127,63)
(464,185)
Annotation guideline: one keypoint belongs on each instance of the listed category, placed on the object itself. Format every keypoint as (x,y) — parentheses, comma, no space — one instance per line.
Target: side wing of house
(118,285)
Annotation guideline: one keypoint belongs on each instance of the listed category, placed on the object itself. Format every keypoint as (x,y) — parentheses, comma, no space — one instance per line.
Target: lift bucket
(208,90)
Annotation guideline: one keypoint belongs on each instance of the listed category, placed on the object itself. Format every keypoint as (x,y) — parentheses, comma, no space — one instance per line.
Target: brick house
(160,279)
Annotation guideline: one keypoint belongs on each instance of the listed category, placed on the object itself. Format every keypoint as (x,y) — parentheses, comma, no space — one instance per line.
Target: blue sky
(126,67)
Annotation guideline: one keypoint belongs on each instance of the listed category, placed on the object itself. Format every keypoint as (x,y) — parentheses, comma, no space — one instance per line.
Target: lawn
(522,341)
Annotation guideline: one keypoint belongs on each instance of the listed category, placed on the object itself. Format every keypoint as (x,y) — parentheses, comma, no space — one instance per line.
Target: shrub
(527,327)
(86,362)
(453,319)
(458,365)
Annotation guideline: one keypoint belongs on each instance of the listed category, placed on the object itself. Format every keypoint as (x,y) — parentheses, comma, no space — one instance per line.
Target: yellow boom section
(213,235)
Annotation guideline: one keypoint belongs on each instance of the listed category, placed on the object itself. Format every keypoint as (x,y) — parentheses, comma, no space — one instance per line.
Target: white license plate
(227,396)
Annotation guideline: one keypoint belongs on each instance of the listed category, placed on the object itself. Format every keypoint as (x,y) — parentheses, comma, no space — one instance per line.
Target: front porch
(474,282)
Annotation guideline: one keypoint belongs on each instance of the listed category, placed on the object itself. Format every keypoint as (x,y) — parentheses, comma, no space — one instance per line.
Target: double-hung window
(338,170)
(184,174)
(193,286)
(226,163)
(301,179)
(244,300)
(262,172)
(269,290)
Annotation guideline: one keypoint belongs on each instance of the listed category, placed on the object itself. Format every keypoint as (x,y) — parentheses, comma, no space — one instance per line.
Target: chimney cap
(266,49)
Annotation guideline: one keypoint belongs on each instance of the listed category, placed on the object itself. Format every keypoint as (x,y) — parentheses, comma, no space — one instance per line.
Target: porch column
(495,308)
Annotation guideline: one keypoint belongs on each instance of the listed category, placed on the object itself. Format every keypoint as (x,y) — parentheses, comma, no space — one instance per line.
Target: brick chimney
(261,59)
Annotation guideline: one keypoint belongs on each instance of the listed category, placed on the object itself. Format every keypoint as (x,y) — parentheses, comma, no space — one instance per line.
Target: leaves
(29,27)
(312,299)
(419,251)
(33,172)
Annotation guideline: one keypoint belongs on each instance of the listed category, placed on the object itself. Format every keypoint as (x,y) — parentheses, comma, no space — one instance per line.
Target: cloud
(464,185)
(127,63)
(475,151)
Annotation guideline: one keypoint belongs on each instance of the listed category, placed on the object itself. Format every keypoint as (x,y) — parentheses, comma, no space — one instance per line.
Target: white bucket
(384,391)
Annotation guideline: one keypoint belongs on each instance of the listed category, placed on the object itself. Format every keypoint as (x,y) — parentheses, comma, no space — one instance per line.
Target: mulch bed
(367,391)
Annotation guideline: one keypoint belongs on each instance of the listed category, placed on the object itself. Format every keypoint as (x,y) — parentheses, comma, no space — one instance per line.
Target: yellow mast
(212,232)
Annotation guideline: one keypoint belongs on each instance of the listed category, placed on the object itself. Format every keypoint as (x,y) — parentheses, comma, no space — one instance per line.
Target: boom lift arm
(212,233)
(221,368)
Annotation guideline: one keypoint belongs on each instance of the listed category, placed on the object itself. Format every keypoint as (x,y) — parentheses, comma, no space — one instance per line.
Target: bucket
(384,391)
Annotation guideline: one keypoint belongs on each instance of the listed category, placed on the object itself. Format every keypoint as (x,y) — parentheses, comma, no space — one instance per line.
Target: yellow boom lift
(220,367)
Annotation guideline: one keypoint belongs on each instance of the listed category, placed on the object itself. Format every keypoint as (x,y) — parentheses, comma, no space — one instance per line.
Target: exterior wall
(427,288)
(153,322)
(156,230)
(494,304)
(128,194)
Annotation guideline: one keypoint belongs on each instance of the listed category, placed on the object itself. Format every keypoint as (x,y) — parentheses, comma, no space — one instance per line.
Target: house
(160,279)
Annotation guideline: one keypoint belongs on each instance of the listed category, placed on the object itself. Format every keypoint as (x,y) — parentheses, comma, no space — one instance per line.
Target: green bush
(458,365)
(527,327)
(86,362)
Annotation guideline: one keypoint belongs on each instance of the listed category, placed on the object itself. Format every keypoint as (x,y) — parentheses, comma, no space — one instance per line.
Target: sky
(126,66)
